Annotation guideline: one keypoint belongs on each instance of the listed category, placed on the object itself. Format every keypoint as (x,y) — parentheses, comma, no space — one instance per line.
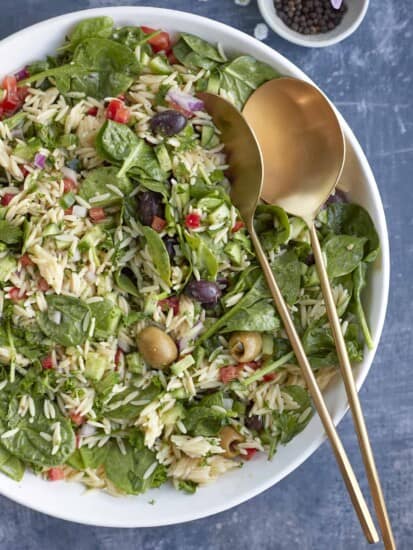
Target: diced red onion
(186,101)
(336,4)
(22,74)
(79,211)
(39,160)
(70,174)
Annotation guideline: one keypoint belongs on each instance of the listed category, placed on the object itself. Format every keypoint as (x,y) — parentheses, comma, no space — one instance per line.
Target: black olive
(205,292)
(168,122)
(150,205)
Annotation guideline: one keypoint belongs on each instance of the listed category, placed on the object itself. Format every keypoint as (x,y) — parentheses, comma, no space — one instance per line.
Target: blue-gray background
(369,78)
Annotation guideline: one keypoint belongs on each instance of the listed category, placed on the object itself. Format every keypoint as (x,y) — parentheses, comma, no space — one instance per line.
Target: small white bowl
(356,10)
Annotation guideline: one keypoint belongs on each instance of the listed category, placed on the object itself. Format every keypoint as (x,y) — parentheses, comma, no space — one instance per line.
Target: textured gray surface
(369,78)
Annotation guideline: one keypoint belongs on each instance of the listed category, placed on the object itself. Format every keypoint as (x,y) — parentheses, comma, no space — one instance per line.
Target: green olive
(157,348)
(229,439)
(245,346)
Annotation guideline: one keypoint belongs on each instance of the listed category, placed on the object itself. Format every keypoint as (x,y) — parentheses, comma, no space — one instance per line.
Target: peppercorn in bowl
(141,354)
(314,23)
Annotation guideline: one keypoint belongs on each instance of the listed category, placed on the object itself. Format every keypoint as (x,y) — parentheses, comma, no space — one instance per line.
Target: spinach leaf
(95,457)
(27,443)
(359,278)
(352,219)
(272,224)
(158,253)
(97,181)
(343,253)
(289,423)
(252,312)
(28,149)
(133,37)
(29,341)
(130,411)
(74,320)
(101,27)
(124,281)
(49,134)
(11,465)
(201,47)
(126,471)
(205,259)
(142,162)
(201,419)
(287,271)
(9,233)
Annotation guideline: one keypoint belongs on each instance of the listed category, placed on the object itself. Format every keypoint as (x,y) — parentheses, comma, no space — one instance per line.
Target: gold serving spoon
(246,173)
(303,148)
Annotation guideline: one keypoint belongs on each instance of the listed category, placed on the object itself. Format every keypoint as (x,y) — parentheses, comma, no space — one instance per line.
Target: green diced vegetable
(9,233)
(91,238)
(135,363)
(95,365)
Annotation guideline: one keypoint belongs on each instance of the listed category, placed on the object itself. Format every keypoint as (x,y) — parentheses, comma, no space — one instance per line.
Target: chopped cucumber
(91,238)
(95,365)
(163,157)
(234,251)
(160,65)
(135,363)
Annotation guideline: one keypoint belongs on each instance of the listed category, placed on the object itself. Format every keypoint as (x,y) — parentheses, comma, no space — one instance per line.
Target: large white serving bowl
(70,500)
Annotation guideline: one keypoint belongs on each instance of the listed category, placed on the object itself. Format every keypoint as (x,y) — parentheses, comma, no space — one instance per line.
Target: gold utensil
(246,174)
(303,149)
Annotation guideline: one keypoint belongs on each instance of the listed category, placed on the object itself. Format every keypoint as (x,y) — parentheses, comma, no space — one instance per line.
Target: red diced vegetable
(55,474)
(118,356)
(117,111)
(269,377)
(158,224)
(226,374)
(25,260)
(24,171)
(192,221)
(16,294)
(69,211)
(47,362)
(170,303)
(69,185)
(171,58)
(97,214)
(43,285)
(93,111)
(6,199)
(239,224)
(14,96)
(160,42)
(77,418)
(185,112)
(250,453)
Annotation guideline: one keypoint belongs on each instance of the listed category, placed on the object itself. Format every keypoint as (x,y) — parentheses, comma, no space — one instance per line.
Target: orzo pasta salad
(138,341)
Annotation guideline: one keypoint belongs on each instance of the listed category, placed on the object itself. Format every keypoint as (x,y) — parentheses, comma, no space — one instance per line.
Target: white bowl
(350,22)
(68,500)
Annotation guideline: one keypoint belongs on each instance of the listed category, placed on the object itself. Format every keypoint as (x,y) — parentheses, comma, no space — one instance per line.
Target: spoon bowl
(302,144)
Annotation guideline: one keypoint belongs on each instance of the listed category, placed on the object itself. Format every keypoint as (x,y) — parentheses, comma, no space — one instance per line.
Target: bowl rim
(319,40)
(48,507)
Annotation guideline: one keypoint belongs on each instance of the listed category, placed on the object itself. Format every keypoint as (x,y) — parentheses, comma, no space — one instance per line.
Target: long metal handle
(347,472)
(352,395)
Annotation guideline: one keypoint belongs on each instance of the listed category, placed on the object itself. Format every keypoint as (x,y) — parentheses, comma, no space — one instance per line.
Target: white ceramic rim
(52,506)
(267,10)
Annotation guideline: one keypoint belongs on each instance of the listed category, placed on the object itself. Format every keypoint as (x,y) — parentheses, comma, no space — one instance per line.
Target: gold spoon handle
(343,462)
(353,398)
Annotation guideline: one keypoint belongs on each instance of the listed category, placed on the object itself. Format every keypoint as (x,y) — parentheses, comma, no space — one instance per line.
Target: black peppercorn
(309,16)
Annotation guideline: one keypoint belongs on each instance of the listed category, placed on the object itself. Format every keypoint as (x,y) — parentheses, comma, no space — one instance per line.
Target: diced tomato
(43,285)
(25,260)
(253,364)
(160,42)
(16,294)
(171,58)
(77,418)
(226,374)
(69,185)
(47,362)
(269,377)
(69,211)
(93,111)
(170,303)
(6,199)
(192,221)
(118,356)
(176,107)
(55,474)
(97,214)
(117,111)
(24,171)
(250,453)
(239,224)
(158,224)
(14,96)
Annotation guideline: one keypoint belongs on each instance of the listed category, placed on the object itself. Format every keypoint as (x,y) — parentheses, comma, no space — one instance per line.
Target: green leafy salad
(138,340)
